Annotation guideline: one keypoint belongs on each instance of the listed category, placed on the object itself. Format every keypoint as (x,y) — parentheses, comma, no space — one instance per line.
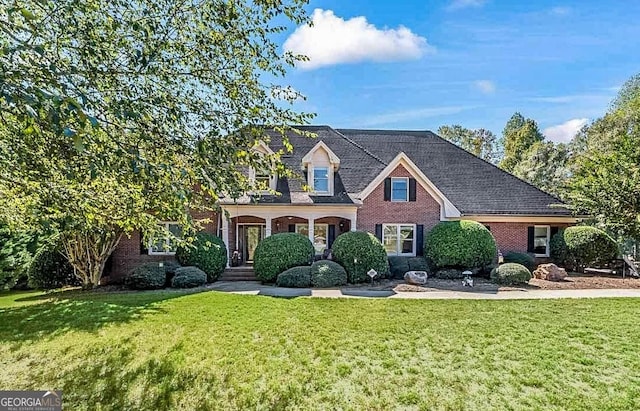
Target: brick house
(394,184)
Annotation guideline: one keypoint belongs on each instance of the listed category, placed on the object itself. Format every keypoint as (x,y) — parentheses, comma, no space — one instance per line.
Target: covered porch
(243,226)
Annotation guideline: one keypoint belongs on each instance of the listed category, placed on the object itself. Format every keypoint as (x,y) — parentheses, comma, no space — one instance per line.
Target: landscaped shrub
(511,274)
(521,258)
(578,247)
(207,252)
(327,273)
(49,269)
(398,266)
(366,249)
(449,274)
(279,252)
(147,276)
(188,277)
(464,244)
(295,277)
(418,264)
(170,268)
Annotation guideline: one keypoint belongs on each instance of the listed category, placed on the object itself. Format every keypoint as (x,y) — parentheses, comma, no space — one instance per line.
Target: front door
(251,235)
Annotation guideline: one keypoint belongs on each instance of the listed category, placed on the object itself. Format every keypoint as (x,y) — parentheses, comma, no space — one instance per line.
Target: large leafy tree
(518,136)
(481,142)
(546,166)
(117,114)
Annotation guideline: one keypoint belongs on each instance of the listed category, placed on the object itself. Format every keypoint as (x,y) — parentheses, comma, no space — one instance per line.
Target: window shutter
(554,231)
(292,228)
(379,232)
(419,239)
(331,234)
(412,189)
(387,189)
(530,239)
(143,247)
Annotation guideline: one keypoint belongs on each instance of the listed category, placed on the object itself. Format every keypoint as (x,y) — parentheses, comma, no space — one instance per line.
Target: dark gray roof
(473,185)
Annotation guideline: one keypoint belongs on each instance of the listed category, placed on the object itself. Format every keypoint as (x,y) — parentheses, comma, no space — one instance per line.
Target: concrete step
(238,274)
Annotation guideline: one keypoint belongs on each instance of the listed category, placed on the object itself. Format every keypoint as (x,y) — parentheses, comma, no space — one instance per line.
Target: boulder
(549,272)
(416,277)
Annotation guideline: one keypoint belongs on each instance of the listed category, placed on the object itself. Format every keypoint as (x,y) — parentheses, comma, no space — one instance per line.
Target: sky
(420,64)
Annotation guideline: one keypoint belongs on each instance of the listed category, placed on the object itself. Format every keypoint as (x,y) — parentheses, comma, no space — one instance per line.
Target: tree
(116,115)
(480,142)
(546,166)
(16,252)
(518,136)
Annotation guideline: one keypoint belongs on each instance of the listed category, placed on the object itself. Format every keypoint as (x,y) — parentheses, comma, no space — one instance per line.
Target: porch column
(225,235)
(267,231)
(311,233)
(354,220)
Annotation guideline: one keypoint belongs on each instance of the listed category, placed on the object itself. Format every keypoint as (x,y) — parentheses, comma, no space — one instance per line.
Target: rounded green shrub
(418,264)
(521,258)
(295,277)
(398,265)
(146,276)
(207,252)
(325,273)
(511,274)
(578,247)
(358,252)
(188,277)
(464,244)
(279,252)
(49,269)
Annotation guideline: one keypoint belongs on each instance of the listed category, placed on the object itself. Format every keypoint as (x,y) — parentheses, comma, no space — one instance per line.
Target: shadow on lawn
(77,310)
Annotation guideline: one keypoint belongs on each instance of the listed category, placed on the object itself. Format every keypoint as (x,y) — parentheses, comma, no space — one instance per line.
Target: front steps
(244,273)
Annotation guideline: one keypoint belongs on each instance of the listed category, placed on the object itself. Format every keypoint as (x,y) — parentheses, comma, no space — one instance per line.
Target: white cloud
(563,133)
(414,114)
(334,40)
(485,86)
(463,4)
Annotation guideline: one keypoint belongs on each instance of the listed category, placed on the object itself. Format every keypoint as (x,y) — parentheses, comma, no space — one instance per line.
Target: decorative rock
(416,277)
(549,272)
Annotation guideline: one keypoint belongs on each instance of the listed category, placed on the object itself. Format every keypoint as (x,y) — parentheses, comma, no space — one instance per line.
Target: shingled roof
(471,184)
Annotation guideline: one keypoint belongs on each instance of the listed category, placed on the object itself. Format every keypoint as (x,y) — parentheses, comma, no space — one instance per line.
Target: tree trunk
(88,253)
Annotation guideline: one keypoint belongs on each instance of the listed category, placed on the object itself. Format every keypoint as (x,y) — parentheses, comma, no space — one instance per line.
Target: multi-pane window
(320,235)
(321,179)
(263,180)
(167,244)
(399,239)
(400,189)
(541,240)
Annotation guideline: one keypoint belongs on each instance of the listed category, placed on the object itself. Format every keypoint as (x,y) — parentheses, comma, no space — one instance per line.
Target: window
(263,180)
(400,189)
(321,179)
(166,245)
(399,239)
(320,235)
(541,240)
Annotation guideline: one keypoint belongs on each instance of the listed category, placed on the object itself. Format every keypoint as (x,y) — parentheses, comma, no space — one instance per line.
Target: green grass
(173,350)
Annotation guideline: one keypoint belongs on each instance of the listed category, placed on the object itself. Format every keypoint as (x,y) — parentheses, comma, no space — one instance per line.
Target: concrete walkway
(255,288)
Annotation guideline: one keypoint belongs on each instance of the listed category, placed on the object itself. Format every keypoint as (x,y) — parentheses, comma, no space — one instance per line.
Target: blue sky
(416,64)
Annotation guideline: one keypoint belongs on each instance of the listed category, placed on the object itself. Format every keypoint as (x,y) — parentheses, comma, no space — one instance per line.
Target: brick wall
(513,236)
(425,210)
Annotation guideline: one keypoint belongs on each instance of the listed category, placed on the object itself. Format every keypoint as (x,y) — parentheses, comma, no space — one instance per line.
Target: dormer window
(262,179)
(321,179)
(321,164)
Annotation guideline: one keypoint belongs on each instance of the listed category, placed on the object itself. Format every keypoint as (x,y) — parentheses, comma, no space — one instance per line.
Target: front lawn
(173,350)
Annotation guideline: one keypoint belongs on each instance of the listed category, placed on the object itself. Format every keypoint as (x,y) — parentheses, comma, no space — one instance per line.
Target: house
(395,184)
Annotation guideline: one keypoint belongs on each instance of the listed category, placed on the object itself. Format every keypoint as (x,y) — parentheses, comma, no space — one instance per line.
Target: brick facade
(514,236)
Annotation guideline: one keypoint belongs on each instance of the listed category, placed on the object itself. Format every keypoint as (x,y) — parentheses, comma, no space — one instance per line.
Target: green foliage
(546,166)
(171,266)
(521,258)
(366,249)
(188,277)
(280,252)
(295,277)
(418,264)
(511,274)
(449,274)
(578,247)
(49,269)
(16,254)
(462,244)
(325,273)
(480,142)
(398,266)
(147,276)
(518,136)
(207,252)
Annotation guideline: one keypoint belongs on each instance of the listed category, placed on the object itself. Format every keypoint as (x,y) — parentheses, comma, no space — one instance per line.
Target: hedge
(578,247)
(325,273)
(188,277)
(398,266)
(521,258)
(279,252)
(463,244)
(49,269)
(207,252)
(366,249)
(146,276)
(511,274)
(295,277)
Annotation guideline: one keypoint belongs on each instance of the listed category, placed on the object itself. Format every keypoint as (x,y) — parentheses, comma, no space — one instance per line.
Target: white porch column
(225,236)
(267,232)
(354,220)
(311,233)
